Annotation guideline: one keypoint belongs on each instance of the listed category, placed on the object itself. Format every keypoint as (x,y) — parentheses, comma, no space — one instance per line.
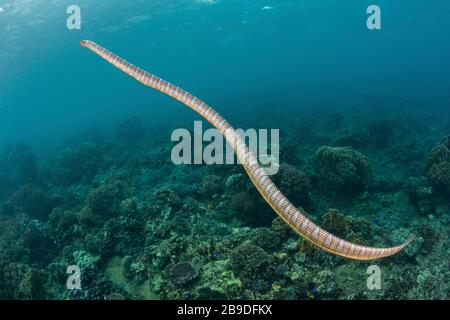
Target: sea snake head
(85,43)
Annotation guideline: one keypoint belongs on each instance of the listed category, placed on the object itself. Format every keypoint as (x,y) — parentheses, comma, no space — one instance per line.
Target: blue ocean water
(230,53)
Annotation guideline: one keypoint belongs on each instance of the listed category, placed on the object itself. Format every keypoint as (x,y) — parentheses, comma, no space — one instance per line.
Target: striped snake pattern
(292,216)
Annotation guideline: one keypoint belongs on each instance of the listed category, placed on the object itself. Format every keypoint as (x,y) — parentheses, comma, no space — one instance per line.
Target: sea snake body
(294,217)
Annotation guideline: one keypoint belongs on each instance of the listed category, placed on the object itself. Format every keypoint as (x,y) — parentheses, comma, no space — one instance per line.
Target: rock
(183,273)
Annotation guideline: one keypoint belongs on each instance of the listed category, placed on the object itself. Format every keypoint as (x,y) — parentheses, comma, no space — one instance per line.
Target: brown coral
(335,222)
(294,184)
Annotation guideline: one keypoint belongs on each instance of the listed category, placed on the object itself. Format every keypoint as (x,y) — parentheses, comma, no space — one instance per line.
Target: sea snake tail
(294,217)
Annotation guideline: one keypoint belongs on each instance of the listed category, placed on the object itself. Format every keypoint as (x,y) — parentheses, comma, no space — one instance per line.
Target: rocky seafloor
(140,227)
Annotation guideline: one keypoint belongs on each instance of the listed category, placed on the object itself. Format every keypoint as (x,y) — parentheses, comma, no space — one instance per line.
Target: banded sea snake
(292,216)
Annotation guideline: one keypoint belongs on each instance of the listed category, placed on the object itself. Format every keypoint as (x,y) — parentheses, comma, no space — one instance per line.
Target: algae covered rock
(63,225)
(251,263)
(440,153)
(294,184)
(218,282)
(19,281)
(437,168)
(84,260)
(76,164)
(244,203)
(183,273)
(211,185)
(281,230)
(250,208)
(352,281)
(29,199)
(265,238)
(420,195)
(105,200)
(353,229)
(439,175)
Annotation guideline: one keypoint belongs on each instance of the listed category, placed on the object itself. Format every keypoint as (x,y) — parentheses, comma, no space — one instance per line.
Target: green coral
(76,164)
(438,166)
(251,263)
(281,230)
(29,199)
(85,260)
(106,199)
(63,225)
(342,169)
(295,184)
(217,282)
(244,203)
(336,223)
(264,238)
(127,216)
(19,281)
(211,185)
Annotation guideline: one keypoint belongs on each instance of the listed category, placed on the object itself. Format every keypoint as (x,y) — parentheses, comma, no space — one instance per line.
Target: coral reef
(211,185)
(294,184)
(139,227)
(251,208)
(252,264)
(342,169)
(106,199)
(183,273)
(438,166)
(29,199)
(75,164)
(420,196)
